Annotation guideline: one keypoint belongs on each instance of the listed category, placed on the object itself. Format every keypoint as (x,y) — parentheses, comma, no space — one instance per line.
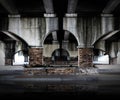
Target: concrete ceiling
(59,7)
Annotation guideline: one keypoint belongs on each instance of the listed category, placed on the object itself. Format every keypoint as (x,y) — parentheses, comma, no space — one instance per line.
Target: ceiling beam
(48,5)
(72,4)
(111,5)
(9,6)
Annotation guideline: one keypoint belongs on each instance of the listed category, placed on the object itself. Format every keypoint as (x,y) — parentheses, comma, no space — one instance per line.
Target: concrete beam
(48,5)
(10,35)
(72,4)
(111,5)
(9,6)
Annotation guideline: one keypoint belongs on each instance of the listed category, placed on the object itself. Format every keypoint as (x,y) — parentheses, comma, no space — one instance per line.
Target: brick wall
(85,57)
(35,56)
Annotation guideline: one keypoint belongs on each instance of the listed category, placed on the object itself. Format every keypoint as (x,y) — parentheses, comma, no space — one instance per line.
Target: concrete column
(14,24)
(107,23)
(51,22)
(70,24)
(85,57)
(2,53)
(35,56)
(9,51)
(113,53)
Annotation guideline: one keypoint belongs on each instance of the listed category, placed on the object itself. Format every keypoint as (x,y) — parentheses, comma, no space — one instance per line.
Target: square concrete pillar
(85,57)
(35,56)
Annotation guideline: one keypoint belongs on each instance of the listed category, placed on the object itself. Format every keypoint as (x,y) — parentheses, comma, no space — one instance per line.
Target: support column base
(35,56)
(85,57)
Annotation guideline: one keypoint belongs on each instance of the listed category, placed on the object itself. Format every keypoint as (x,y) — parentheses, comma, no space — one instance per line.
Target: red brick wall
(35,56)
(85,57)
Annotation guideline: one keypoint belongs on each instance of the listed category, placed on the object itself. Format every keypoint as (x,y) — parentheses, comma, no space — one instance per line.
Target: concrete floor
(17,84)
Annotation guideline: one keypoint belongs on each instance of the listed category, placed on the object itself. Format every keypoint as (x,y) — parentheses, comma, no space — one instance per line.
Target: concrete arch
(10,39)
(46,35)
(100,43)
(74,36)
(15,36)
(56,31)
(65,40)
(106,36)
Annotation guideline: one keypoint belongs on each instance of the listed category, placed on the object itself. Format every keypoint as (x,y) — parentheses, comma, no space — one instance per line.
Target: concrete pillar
(85,57)
(107,23)
(9,52)
(51,22)
(35,56)
(113,53)
(2,53)
(14,24)
(70,24)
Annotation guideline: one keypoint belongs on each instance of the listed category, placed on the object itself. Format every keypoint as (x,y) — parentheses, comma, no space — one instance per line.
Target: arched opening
(60,56)
(100,57)
(12,45)
(60,48)
(110,54)
(21,56)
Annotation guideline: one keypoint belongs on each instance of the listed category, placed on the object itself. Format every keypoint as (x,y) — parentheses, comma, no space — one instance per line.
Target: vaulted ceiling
(59,7)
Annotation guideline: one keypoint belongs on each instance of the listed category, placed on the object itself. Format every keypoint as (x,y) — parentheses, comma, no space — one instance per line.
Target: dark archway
(60,47)
(60,55)
(10,41)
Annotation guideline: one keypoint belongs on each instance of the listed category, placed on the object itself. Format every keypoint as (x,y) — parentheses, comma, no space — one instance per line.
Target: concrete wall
(49,49)
(35,27)
(32,30)
(86,29)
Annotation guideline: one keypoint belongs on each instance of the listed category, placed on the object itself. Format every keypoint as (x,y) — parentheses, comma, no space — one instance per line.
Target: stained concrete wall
(107,25)
(86,29)
(35,27)
(51,24)
(30,29)
(2,53)
(49,49)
